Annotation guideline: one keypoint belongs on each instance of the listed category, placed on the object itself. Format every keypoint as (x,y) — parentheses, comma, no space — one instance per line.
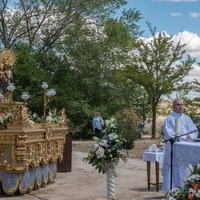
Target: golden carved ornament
(41,149)
(7,57)
(20,116)
(2,149)
(20,150)
(64,118)
(7,60)
(31,151)
(48,132)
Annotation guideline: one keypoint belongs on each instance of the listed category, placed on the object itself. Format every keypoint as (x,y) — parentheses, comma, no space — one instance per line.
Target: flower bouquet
(106,153)
(191,189)
(4,120)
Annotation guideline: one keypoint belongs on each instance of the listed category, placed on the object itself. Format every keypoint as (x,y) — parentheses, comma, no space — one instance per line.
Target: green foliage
(130,18)
(128,122)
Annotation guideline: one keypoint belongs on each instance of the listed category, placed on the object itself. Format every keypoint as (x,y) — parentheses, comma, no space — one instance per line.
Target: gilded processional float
(28,153)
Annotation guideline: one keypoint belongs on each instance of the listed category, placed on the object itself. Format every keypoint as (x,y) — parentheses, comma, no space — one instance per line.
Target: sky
(172,16)
(178,18)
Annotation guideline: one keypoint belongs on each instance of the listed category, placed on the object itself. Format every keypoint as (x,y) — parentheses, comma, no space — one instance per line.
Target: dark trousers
(98,132)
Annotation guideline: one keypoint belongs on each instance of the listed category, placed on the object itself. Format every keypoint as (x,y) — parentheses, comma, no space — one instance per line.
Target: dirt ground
(85,183)
(140,146)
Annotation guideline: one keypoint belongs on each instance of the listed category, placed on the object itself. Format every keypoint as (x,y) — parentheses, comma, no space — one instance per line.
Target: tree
(43,23)
(75,47)
(159,66)
(92,64)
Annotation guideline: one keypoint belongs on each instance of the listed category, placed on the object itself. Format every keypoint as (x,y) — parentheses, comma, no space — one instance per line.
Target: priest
(176,125)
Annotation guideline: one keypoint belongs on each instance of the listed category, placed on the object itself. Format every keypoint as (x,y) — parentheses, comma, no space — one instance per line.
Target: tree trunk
(153,130)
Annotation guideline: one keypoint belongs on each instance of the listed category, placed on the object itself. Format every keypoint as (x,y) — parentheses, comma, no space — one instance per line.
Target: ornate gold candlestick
(48,96)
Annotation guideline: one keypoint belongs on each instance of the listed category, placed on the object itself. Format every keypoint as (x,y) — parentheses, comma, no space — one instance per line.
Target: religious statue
(7,60)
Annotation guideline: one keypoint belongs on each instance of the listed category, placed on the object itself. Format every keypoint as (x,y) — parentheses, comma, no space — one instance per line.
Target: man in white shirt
(97,124)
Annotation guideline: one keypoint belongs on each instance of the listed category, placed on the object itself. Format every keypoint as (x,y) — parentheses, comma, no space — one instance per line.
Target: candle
(177,126)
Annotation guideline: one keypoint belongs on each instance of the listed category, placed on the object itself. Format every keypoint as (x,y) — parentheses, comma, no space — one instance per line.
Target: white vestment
(179,172)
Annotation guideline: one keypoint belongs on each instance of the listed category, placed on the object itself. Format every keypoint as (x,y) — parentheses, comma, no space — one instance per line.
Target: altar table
(157,157)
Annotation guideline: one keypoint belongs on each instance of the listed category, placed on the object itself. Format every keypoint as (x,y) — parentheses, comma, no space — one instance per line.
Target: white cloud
(194,74)
(189,39)
(192,41)
(176,14)
(194,14)
(193,49)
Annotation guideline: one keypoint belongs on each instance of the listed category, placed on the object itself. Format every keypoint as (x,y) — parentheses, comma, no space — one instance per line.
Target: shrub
(128,121)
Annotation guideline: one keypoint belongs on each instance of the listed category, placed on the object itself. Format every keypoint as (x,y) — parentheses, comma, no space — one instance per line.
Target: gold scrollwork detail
(20,150)
(44,161)
(20,116)
(28,148)
(41,149)
(31,151)
(50,148)
(48,132)
(6,165)
(64,118)
(50,151)
(2,149)
(33,163)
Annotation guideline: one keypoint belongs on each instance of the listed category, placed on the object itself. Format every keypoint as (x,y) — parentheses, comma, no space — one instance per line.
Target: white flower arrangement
(106,153)
(52,117)
(191,189)
(4,120)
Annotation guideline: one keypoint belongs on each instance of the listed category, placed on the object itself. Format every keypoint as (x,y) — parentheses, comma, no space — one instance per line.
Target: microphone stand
(172,140)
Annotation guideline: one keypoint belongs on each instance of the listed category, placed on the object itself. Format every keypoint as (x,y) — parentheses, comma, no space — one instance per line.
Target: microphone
(178,136)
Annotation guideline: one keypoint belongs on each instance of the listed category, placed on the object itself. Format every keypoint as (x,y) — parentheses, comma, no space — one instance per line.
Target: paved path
(85,183)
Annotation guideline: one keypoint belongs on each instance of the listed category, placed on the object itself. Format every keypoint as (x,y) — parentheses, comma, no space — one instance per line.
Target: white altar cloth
(184,153)
(153,156)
